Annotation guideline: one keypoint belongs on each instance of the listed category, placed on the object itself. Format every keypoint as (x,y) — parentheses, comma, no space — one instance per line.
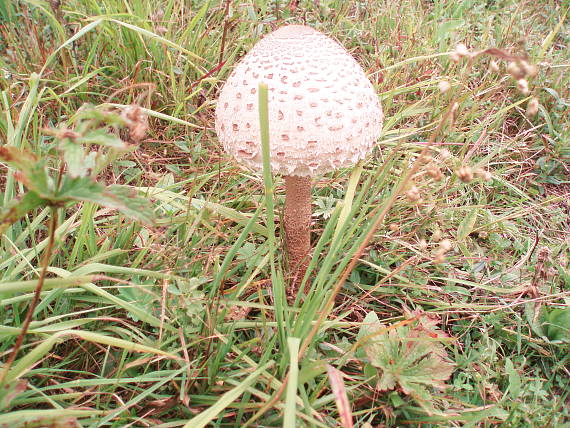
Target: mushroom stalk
(297,219)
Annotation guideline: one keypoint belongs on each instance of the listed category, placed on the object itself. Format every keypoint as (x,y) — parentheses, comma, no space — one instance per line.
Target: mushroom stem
(297,221)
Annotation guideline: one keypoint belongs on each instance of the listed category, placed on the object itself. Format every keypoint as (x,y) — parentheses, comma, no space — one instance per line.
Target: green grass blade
(291,397)
(225,400)
(276,280)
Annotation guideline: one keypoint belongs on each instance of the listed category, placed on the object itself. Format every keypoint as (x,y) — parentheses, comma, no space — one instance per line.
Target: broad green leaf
(133,206)
(18,208)
(98,116)
(445,29)
(514,379)
(558,324)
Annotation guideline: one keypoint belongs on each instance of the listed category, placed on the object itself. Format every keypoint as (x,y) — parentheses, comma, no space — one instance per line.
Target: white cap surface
(323,111)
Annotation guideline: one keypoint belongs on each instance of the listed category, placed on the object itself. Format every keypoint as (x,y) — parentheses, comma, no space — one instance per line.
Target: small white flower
(523,86)
(532,107)
(444,154)
(529,70)
(514,70)
(444,86)
(461,50)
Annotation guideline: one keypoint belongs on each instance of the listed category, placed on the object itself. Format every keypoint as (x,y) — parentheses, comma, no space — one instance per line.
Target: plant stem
(297,219)
(36,299)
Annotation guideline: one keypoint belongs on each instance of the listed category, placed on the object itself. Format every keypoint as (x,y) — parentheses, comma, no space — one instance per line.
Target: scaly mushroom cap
(323,110)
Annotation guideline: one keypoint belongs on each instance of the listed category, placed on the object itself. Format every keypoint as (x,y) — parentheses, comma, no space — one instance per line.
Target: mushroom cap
(323,111)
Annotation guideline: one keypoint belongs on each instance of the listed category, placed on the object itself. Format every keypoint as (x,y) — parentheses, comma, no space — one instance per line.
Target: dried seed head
(532,107)
(461,50)
(454,110)
(423,244)
(65,132)
(434,172)
(493,66)
(514,70)
(483,234)
(436,237)
(444,86)
(237,313)
(137,122)
(444,155)
(483,174)
(413,194)
(445,245)
(158,15)
(439,258)
(523,86)
(529,69)
(393,227)
(465,174)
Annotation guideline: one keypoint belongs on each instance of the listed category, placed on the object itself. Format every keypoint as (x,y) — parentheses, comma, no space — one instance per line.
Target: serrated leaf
(310,370)
(411,358)
(16,158)
(107,117)
(121,198)
(31,171)
(102,138)
(73,155)
(17,208)
(133,206)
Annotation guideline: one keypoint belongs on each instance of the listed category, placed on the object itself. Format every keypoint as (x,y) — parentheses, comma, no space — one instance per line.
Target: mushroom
(323,114)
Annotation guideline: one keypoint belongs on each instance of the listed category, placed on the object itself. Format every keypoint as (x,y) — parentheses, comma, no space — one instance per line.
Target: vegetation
(142,279)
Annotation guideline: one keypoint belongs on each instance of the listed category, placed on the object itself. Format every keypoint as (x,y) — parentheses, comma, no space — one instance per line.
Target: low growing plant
(70,174)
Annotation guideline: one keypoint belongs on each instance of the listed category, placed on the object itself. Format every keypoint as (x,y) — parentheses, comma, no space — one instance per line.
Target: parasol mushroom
(323,114)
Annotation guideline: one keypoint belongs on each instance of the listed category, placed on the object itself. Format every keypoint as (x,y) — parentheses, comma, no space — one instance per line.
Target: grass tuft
(449,244)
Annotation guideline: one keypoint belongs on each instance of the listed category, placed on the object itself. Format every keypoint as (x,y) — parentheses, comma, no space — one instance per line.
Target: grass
(185,322)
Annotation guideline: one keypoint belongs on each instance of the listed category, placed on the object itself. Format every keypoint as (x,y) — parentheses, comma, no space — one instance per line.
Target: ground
(441,301)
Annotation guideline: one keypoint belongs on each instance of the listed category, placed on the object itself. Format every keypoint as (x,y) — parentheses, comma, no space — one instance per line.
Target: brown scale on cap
(308,76)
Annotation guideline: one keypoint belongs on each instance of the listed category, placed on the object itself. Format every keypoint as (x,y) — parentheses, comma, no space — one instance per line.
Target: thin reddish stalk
(36,299)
